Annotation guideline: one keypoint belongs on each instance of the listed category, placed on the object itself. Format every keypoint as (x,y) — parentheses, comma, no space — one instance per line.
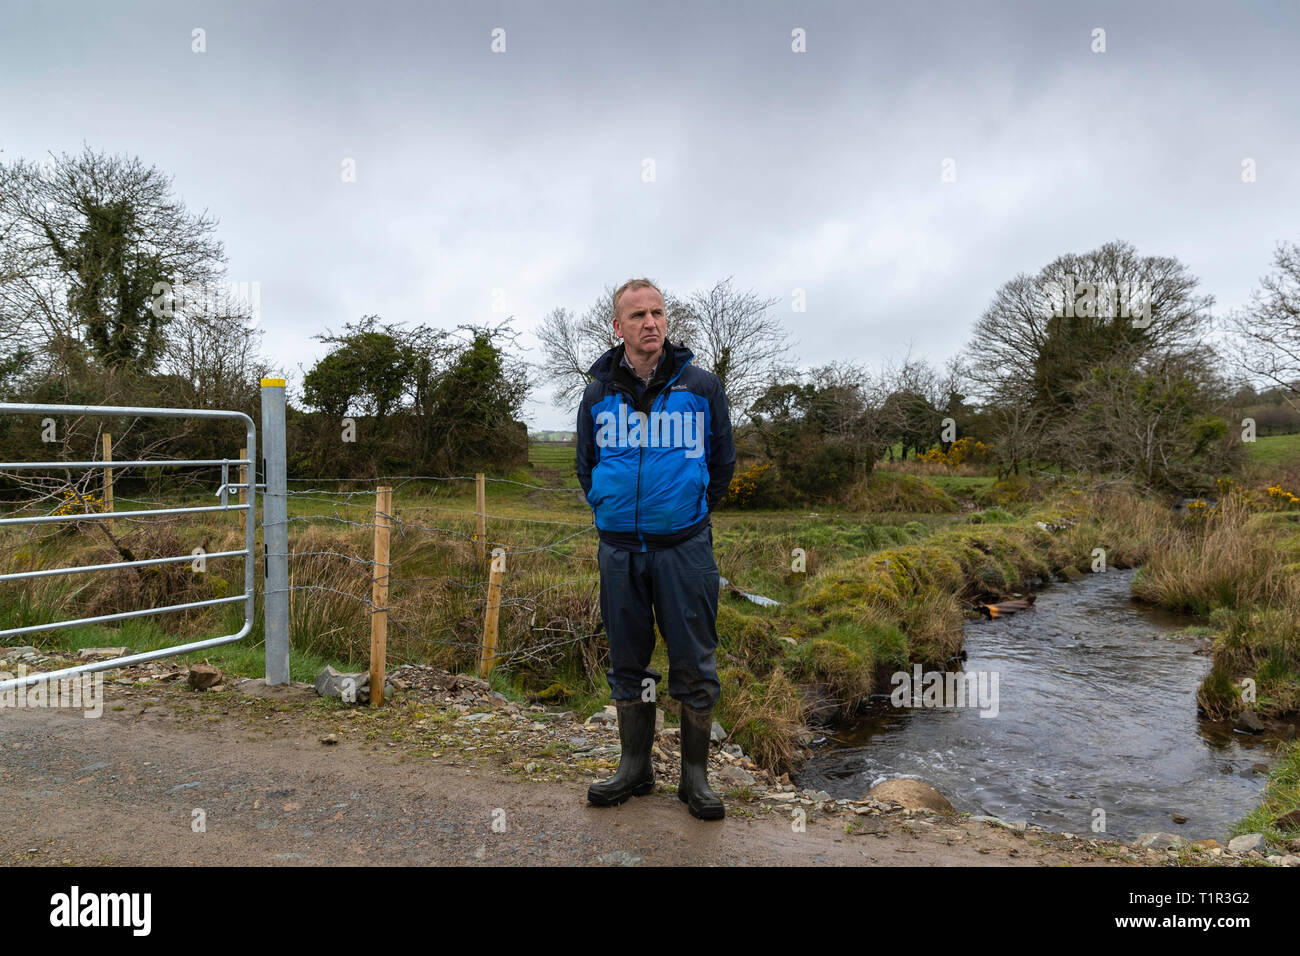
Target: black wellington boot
(697,726)
(635,776)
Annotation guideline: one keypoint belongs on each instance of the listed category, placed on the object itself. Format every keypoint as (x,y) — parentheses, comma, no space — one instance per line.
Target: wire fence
(438,577)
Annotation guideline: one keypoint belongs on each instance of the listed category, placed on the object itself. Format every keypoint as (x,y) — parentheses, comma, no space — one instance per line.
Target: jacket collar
(675,357)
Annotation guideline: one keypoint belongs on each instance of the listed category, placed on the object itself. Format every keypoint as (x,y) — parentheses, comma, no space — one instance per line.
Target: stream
(1096,708)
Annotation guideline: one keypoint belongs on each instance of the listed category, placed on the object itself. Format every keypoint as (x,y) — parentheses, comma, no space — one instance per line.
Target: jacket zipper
(640,452)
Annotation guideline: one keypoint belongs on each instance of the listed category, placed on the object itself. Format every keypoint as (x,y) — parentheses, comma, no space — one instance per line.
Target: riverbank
(1089,718)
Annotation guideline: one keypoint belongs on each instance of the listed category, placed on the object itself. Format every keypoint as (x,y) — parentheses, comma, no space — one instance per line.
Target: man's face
(641,321)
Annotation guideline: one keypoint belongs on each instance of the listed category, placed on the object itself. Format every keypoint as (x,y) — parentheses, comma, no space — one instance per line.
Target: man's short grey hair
(631,284)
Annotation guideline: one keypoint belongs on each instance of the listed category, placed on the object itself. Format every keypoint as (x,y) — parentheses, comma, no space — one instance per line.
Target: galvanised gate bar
(223,492)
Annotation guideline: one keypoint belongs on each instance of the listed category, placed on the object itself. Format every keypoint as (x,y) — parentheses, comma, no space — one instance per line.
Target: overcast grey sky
(522,171)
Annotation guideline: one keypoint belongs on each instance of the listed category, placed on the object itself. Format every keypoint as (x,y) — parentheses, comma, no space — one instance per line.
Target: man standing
(655,456)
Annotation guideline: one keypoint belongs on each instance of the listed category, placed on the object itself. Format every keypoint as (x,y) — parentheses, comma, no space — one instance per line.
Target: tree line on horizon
(1050,377)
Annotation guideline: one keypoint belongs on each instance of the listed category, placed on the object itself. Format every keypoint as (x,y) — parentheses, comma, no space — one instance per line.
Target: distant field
(547,455)
(1275,450)
(552,464)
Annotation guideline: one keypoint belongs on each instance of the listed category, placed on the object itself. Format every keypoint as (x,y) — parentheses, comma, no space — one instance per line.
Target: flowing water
(1096,708)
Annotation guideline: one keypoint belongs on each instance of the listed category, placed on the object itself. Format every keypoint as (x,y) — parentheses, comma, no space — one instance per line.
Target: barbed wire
(405,612)
(407,479)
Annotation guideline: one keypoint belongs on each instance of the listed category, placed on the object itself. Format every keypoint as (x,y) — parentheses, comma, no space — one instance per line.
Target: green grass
(960,486)
(1281,795)
(1272,451)
(245,658)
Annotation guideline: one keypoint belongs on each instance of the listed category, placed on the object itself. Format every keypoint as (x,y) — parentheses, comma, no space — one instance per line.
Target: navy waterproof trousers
(676,588)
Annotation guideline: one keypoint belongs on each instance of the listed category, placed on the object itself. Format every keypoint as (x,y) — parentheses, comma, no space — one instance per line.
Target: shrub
(755,487)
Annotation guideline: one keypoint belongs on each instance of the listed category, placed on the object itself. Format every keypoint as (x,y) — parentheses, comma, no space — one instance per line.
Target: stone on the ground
(601,719)
(13,653)
(910,795)
(1160,841)
(717,735)
(330,739)
(1019,825)
(203,676)
(101,653)
(733,776)
(351,688)
(1246,842)
(659,720)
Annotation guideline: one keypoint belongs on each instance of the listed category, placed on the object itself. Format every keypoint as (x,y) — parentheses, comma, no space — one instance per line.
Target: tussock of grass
(762,717)
(884,491)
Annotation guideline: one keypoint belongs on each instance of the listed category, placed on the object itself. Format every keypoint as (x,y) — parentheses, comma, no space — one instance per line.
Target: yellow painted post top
(272,382)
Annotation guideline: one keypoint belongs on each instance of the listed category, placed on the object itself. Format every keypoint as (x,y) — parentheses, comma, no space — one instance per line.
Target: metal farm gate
(277,631)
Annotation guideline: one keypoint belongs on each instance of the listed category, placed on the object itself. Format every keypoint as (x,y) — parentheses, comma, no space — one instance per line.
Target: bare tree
(213,358)
(740,340)
(571,344)
(850,401)
(914,395)
(1268,346)
(1043,332)
(1161,424)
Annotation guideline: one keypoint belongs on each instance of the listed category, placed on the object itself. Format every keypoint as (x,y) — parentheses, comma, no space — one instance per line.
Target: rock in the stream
(910,795)
(1249,722)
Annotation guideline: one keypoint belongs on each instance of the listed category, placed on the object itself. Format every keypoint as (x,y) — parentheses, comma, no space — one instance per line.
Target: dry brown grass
(1222,560)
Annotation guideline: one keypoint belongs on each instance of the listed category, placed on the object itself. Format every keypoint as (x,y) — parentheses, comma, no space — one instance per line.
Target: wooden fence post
(108,476)
(491,617)
(243,496)
(480,491)
(379,596)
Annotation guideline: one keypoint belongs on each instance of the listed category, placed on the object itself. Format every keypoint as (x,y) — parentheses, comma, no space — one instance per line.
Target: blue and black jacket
(653,467)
